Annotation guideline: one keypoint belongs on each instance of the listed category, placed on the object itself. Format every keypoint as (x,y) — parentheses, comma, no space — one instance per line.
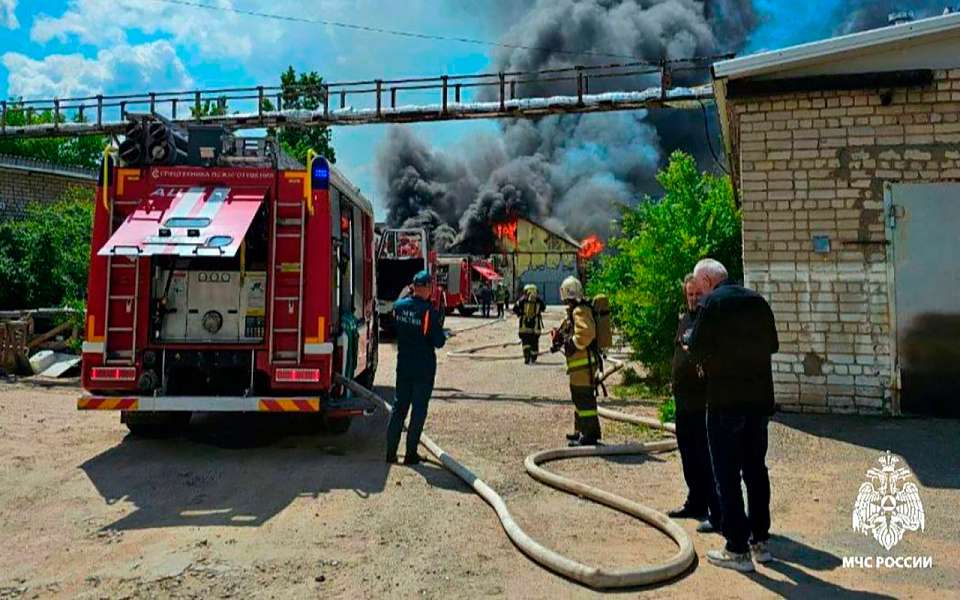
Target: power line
(407,34)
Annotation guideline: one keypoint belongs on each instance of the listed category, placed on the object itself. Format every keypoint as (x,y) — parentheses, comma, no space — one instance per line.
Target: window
(187,222)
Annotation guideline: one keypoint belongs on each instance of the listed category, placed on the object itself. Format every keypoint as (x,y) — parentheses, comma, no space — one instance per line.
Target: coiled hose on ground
(592,576)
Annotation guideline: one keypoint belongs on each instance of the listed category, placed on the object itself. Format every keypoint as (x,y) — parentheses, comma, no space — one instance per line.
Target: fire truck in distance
(461,278)
(401,254)
(221,281)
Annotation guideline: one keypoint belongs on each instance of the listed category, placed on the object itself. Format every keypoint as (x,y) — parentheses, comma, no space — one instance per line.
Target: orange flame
(506,231)
(590,247)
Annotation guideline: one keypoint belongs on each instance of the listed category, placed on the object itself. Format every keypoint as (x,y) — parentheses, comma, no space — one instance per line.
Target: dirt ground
(261,506)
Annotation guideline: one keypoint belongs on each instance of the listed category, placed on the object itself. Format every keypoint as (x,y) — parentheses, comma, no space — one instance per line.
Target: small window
(219,241)
(187,222)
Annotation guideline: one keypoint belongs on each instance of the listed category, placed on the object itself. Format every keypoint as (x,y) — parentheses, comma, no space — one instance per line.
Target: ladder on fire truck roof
(285,326)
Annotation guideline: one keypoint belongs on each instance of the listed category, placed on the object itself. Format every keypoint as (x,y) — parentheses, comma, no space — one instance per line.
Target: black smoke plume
(570,171)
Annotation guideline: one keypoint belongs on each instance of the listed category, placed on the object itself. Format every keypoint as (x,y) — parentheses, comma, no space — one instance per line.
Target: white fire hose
(594,577)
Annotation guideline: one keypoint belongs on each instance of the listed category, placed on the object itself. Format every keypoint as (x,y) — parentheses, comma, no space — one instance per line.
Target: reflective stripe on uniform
(578,364)
(586,413)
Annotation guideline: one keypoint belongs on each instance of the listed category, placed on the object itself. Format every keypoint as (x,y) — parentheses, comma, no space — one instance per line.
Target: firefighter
(419,332)
(577,338)
(501,297)
(530,309)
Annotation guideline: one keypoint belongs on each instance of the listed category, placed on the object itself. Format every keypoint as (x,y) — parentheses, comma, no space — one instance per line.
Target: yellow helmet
(571,289)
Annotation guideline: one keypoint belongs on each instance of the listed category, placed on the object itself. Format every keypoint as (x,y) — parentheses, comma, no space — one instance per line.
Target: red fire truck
(228,284)
(461,278)
(401,254)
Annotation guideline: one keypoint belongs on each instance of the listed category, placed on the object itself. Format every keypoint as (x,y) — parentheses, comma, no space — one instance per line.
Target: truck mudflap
(338,408)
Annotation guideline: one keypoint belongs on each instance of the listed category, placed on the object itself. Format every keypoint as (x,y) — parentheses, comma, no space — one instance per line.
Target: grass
(645,392)
(629,431)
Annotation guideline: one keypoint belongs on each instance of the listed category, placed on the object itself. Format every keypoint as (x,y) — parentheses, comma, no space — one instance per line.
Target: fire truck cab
(401,254)
(228,284)
(461,278)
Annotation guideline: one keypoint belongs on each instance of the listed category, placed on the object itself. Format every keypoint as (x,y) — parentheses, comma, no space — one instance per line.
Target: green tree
(658,242)
(44,257)
(210,108)
(302,92)
(83,151)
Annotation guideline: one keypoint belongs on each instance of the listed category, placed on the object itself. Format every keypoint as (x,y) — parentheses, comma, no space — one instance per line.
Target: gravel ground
(270,507)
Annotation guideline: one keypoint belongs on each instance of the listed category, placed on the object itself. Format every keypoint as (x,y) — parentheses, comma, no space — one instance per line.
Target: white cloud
(216,34)
(154,65)
(252,41)
(8,16)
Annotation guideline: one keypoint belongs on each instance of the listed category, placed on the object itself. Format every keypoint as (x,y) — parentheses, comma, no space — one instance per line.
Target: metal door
(924,220)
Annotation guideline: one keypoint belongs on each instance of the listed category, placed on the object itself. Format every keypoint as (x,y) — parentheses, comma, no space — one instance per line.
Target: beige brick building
(845,157)
(25,180)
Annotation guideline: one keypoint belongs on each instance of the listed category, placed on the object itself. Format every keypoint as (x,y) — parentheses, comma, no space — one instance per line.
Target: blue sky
(69,47)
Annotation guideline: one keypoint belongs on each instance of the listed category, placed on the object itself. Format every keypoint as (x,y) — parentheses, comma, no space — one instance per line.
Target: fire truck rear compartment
(211,373)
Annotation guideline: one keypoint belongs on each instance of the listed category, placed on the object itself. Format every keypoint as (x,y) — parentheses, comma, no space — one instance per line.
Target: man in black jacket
(690,395)
(733,338)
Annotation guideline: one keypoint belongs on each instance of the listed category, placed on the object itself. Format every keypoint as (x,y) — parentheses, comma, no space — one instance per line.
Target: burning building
(530,252)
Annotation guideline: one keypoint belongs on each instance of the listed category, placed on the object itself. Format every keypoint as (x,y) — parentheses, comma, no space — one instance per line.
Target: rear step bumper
(306,404)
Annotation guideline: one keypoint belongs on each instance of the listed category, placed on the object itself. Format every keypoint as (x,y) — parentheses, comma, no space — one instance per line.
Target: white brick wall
(815,163)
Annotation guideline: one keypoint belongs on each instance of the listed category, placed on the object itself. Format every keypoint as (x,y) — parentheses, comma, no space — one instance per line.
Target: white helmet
(531,288)
(571,289)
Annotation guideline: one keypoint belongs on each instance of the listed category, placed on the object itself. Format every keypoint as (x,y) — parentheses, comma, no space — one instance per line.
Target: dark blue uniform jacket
(419,333)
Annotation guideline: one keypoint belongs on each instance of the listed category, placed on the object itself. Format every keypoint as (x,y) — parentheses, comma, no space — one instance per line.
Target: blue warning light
(320,174)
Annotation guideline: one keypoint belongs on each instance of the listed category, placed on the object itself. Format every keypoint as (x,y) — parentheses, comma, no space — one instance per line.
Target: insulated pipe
(594,577)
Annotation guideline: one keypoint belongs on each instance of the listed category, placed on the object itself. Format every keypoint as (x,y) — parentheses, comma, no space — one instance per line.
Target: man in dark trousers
(733,338)
(690,396)
(419,332)
(486,299)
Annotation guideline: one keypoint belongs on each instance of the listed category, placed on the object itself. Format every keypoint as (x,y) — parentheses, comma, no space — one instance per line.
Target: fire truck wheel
(155,424)
(336,425)
(466,312)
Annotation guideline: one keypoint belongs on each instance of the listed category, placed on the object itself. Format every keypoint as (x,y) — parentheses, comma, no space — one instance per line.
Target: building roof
(563,235)
(36,165)
(883,49)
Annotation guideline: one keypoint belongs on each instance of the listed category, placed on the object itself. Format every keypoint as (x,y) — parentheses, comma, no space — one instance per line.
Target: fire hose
(591,576)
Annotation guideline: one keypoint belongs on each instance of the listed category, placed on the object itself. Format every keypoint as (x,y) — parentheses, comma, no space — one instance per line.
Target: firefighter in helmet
(577,338)
(530,309)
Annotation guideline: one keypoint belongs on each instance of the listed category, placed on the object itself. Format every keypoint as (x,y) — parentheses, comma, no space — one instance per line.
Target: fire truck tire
(466,312)
(336,425)
(155,424)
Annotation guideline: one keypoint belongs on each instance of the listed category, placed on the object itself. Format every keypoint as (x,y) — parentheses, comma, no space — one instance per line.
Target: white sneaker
(760,552)
(705,526)
(729,560)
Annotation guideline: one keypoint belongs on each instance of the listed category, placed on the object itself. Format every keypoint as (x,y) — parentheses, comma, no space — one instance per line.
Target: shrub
(657,243)
(667,411)
(44,257)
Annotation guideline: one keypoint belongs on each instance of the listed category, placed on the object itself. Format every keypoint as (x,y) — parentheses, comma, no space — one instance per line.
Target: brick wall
(815,163)
(21,184)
